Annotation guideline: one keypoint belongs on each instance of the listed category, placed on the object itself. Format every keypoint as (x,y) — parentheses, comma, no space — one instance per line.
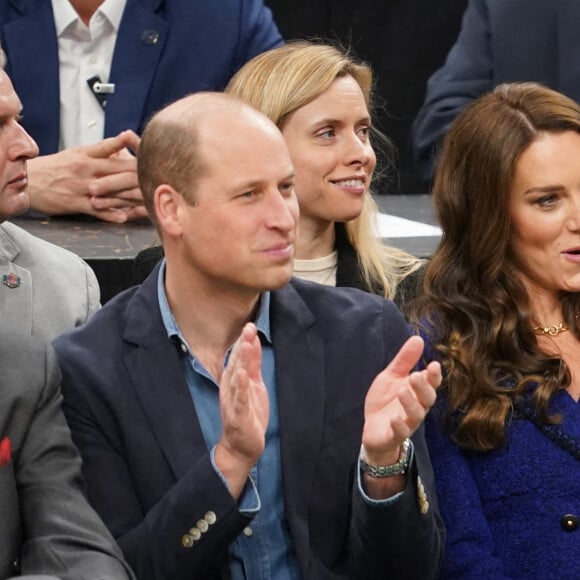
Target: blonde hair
(278,82)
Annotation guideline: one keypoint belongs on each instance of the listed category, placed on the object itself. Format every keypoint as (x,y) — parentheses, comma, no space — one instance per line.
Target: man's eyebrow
(256,183)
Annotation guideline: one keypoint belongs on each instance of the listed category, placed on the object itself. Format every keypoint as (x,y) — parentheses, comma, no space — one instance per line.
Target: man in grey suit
(46,523)
(44,289)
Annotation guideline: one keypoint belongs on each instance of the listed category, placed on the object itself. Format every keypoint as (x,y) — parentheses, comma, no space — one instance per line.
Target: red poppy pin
(5,451)
(11,280)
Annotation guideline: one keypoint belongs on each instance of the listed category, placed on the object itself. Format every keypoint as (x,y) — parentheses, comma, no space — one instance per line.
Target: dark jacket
(148,467)
(500,41)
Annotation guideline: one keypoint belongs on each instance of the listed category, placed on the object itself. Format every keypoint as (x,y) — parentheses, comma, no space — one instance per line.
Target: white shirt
(84,52)
(321,270)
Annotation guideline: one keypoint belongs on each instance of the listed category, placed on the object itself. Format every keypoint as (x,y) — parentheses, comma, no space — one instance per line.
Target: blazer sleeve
(151,522)
(154,541)
(378,533)
(466,75)
(64,536)
(470,549)
(403,538)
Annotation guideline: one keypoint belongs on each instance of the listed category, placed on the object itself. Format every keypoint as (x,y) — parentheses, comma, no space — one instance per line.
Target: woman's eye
(546,200)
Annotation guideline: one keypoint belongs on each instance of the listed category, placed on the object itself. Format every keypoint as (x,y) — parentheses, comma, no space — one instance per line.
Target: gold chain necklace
(552,329)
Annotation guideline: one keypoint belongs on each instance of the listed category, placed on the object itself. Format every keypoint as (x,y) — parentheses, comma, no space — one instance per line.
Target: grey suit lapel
(301,382)
(15,303)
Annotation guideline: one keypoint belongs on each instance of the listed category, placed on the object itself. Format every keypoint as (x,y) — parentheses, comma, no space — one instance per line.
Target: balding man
(234,423)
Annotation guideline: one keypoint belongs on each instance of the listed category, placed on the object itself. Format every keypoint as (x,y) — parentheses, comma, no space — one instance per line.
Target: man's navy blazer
(148,467)
(501,41)
(165,50)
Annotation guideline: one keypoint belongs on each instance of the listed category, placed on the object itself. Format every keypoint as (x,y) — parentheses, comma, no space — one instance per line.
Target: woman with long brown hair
(500,311)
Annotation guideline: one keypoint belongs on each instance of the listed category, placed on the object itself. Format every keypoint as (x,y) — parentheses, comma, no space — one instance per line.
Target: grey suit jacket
(56,290)
(46,523)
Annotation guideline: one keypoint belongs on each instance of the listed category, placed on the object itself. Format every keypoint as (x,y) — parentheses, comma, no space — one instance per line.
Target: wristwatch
(398,468)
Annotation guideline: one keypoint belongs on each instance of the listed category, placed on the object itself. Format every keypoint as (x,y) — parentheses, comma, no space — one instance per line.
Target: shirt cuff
(390,500)
(249,502)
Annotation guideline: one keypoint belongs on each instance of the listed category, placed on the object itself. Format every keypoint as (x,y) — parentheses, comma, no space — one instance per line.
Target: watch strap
(380,471)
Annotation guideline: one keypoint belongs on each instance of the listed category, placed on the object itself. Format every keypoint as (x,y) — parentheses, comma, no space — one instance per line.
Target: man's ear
(168,202)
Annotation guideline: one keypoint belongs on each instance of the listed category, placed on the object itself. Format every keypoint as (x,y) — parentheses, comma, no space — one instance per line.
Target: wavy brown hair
(475,309)
(281,80)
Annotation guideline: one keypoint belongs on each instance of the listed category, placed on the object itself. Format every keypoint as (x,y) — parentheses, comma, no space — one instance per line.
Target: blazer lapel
(300,378)
(155,367)
(15,302)
(142,35)
(32,70)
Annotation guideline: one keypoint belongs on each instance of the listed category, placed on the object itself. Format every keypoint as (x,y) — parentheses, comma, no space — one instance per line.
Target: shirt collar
(65,14)
(113,10)
(262,319)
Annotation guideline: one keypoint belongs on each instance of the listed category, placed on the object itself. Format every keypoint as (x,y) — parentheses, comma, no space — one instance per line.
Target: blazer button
(569,522)
(210,518)
(187,541)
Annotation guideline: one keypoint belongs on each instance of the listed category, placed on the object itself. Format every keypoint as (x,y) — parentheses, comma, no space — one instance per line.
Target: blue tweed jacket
(513,512)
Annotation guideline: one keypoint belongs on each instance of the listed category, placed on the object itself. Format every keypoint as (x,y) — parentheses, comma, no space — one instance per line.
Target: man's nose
(22,145)
(283,212)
